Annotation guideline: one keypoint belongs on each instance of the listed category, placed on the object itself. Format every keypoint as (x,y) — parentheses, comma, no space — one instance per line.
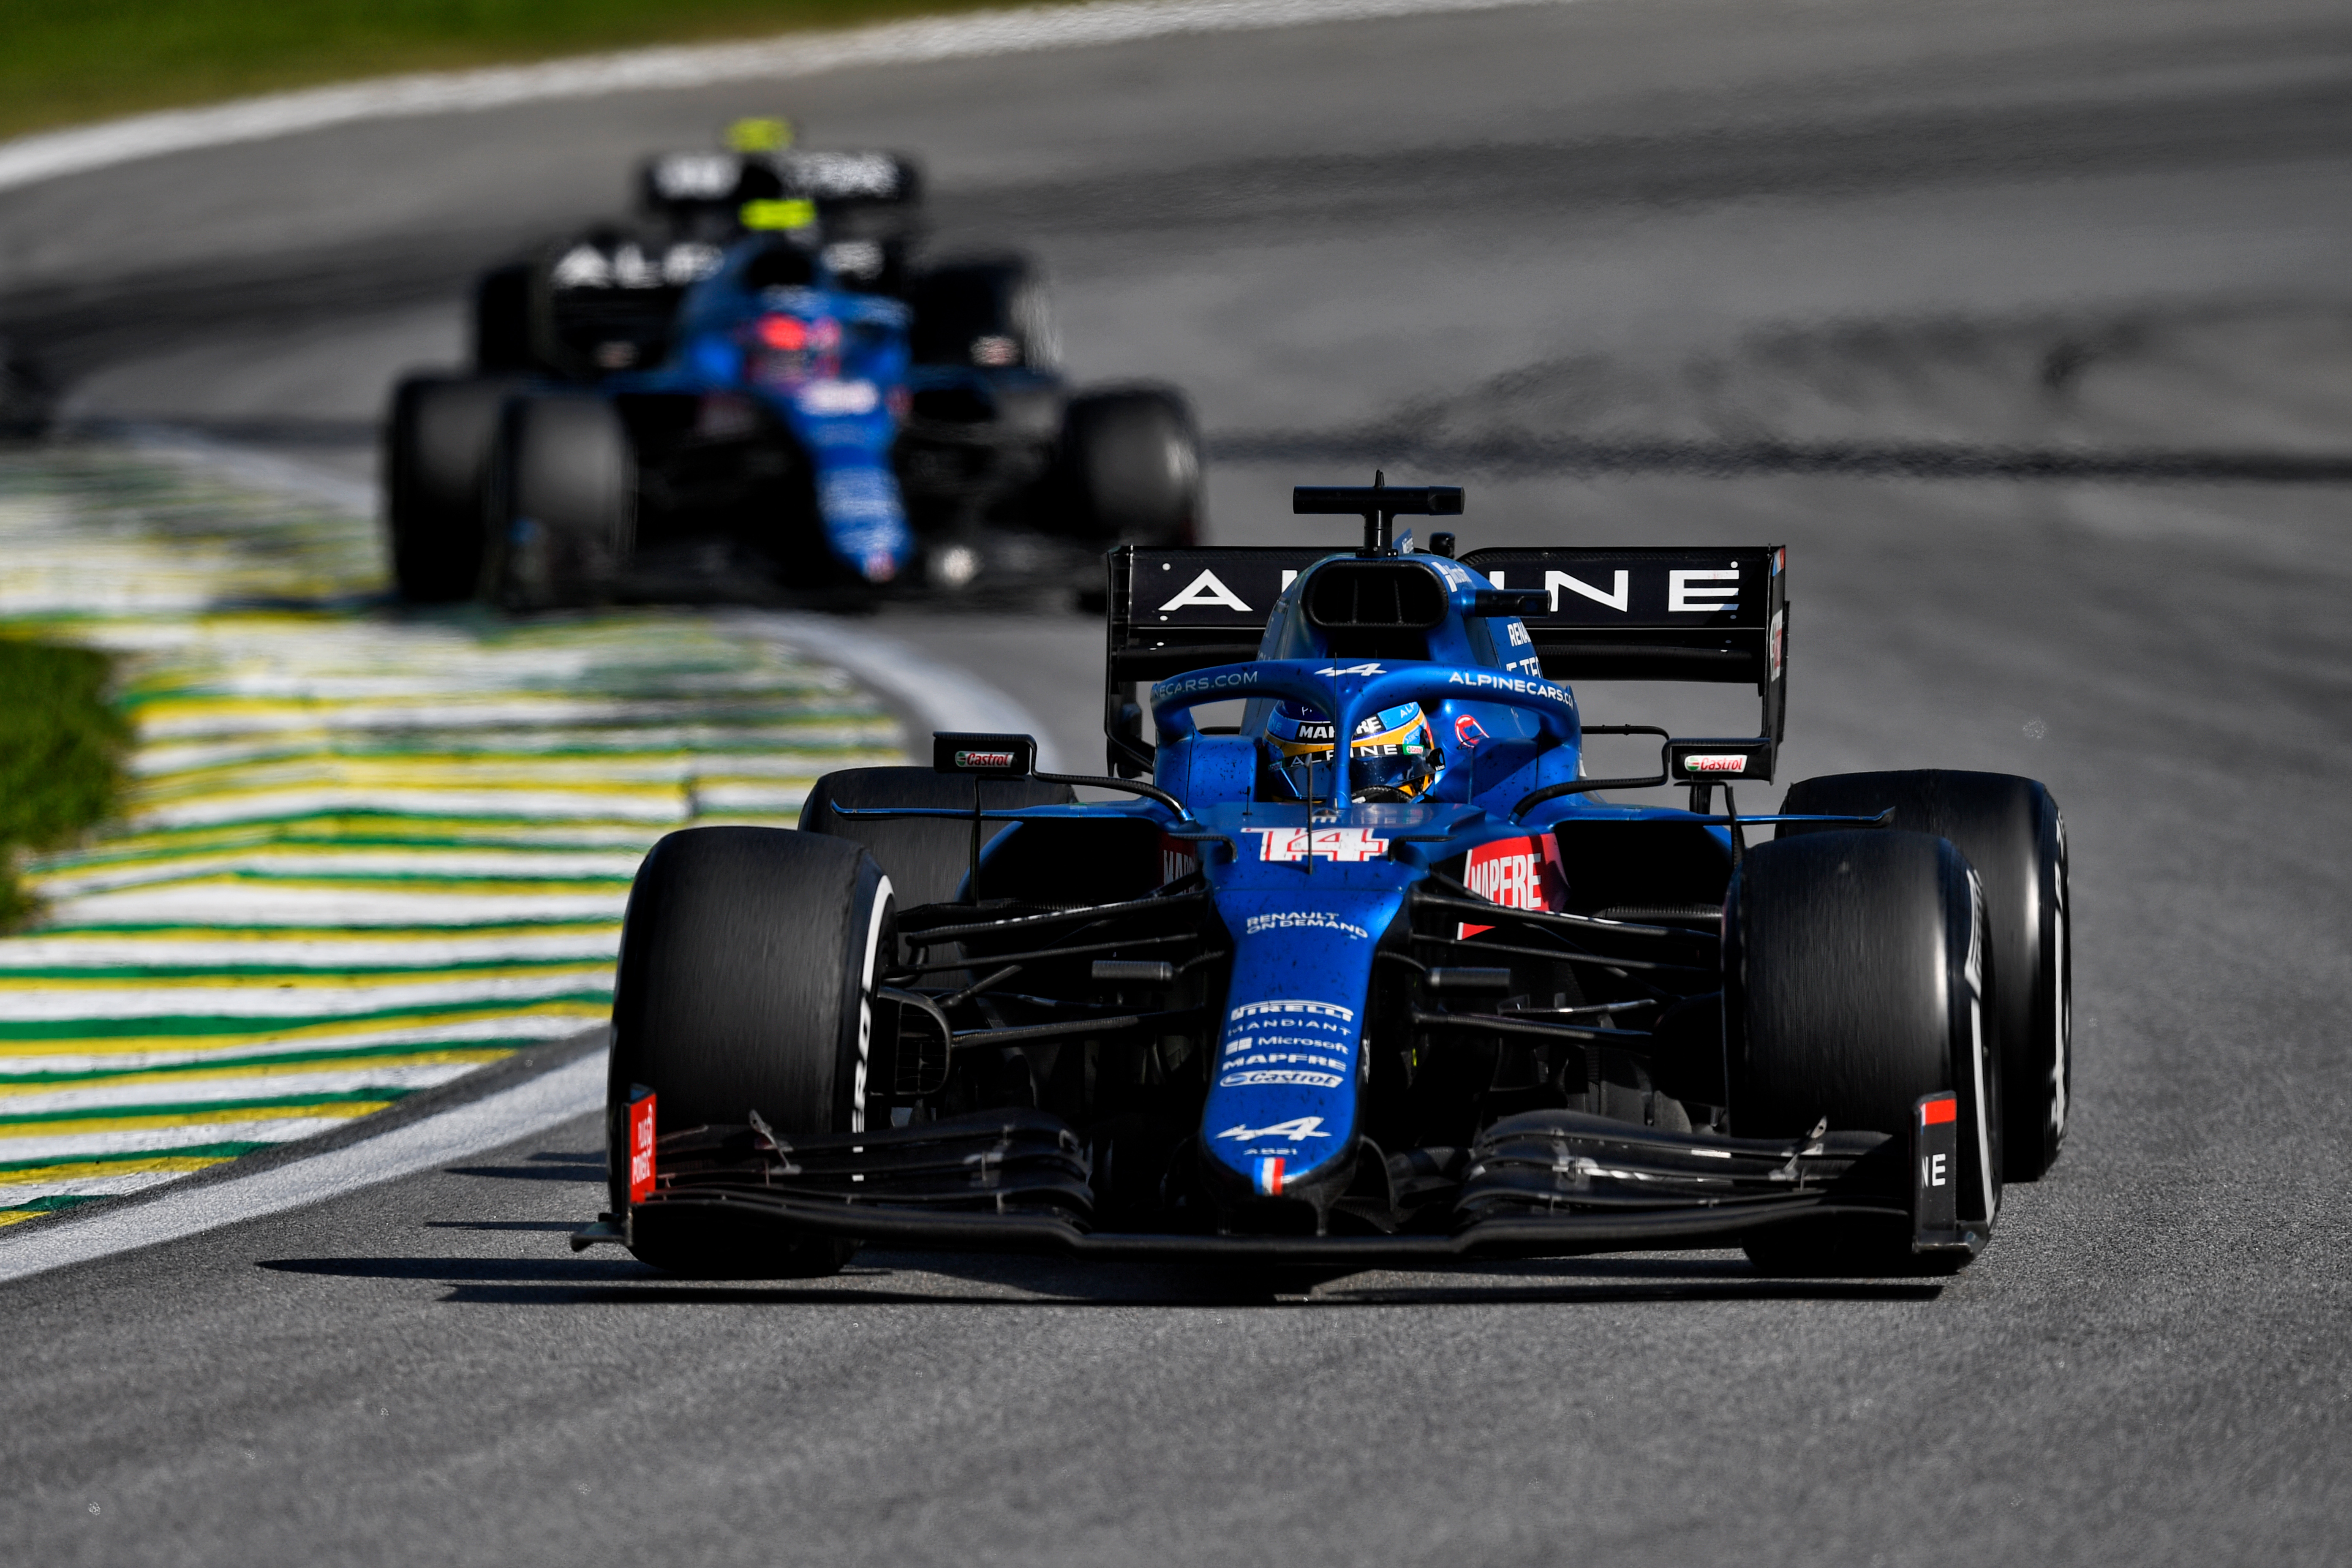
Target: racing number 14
(1357,843)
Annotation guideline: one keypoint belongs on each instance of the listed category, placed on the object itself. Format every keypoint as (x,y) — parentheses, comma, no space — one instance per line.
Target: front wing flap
(1544,1184)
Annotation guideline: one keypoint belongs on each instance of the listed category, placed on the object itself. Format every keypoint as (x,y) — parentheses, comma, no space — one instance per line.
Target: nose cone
(865,520)
(1279,1127)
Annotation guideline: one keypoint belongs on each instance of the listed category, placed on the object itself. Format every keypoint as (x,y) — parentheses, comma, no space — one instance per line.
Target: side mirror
(1719,761)
(1510,602)
(987,756)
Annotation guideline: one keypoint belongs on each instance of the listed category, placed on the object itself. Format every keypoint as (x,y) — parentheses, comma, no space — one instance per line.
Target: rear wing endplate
(1696,614)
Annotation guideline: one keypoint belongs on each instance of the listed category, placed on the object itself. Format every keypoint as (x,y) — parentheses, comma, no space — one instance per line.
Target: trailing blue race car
(679,417)
(1371,978)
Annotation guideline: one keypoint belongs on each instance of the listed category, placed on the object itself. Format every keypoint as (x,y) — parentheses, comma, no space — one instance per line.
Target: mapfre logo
(1178,859)
(1516,873)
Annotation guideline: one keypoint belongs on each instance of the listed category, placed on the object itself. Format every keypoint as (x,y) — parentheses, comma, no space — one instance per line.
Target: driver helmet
(1395,755)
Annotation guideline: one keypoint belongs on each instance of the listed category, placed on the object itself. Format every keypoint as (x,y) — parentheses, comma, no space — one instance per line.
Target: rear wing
(1697,614)
(680,186)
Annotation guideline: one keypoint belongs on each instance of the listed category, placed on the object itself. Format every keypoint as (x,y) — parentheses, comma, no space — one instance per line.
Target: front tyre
(1130,465)
(562,506)
(436,454)
(2012,831)
(927,857)
(1856,980)
(748,963)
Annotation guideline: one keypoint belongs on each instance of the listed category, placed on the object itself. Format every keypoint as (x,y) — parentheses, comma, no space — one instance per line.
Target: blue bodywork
(1306,891)
(828,363)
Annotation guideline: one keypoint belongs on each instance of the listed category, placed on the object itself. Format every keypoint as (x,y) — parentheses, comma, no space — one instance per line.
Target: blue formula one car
(774,429)
(1371,978)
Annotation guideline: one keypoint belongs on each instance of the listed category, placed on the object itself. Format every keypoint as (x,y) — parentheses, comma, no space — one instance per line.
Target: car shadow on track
(908,1279)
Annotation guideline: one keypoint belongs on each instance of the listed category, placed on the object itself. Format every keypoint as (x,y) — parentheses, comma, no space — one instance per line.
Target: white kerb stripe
(572,1089)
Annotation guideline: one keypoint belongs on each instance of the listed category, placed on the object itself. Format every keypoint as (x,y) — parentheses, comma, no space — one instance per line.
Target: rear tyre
(2012,831)
(747,960)
(437,442)
(1131,466)
(989,311)
(562,510)
(925,859)
(502,321)
(1855,977)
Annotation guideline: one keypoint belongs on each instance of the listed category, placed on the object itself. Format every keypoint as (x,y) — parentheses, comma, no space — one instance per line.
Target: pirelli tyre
(1130,467)
(925,859)
(437,441)
(1856,979)
(2012,831)
(990,311)
(747,964)
(561,503)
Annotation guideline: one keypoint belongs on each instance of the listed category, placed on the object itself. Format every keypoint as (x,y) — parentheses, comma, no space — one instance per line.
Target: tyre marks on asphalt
(360,854)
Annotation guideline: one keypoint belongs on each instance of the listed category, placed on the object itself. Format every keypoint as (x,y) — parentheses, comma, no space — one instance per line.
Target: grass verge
(90,60)
(62,63)
(61,749)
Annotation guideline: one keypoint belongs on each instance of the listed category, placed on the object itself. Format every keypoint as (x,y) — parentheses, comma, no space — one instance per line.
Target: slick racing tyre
(502,322)
(748,959)
(1131,466)
(561,507)
(1855,978)
(2012,832)
(437,444)
(989,311)
(926,857)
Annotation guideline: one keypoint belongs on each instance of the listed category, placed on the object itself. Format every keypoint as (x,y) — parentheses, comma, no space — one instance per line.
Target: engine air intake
(1350,595)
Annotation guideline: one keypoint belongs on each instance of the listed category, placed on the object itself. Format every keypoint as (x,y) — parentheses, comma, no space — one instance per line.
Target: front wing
(1546,1184)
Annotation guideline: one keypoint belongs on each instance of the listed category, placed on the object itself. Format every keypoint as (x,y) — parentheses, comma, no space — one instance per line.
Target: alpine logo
(1206,589)
(1353,669)
(1294,1130)
(1491,681)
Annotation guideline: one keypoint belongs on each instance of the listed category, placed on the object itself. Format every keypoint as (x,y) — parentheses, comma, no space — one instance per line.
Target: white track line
(462,1132)
(935,696)
(47,156)
(938,696)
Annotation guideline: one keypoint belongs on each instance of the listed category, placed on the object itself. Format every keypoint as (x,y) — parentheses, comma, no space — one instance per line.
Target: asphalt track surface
(1830,274)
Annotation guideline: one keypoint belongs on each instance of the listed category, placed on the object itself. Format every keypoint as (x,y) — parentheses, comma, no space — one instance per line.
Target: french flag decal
(1269,1177)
